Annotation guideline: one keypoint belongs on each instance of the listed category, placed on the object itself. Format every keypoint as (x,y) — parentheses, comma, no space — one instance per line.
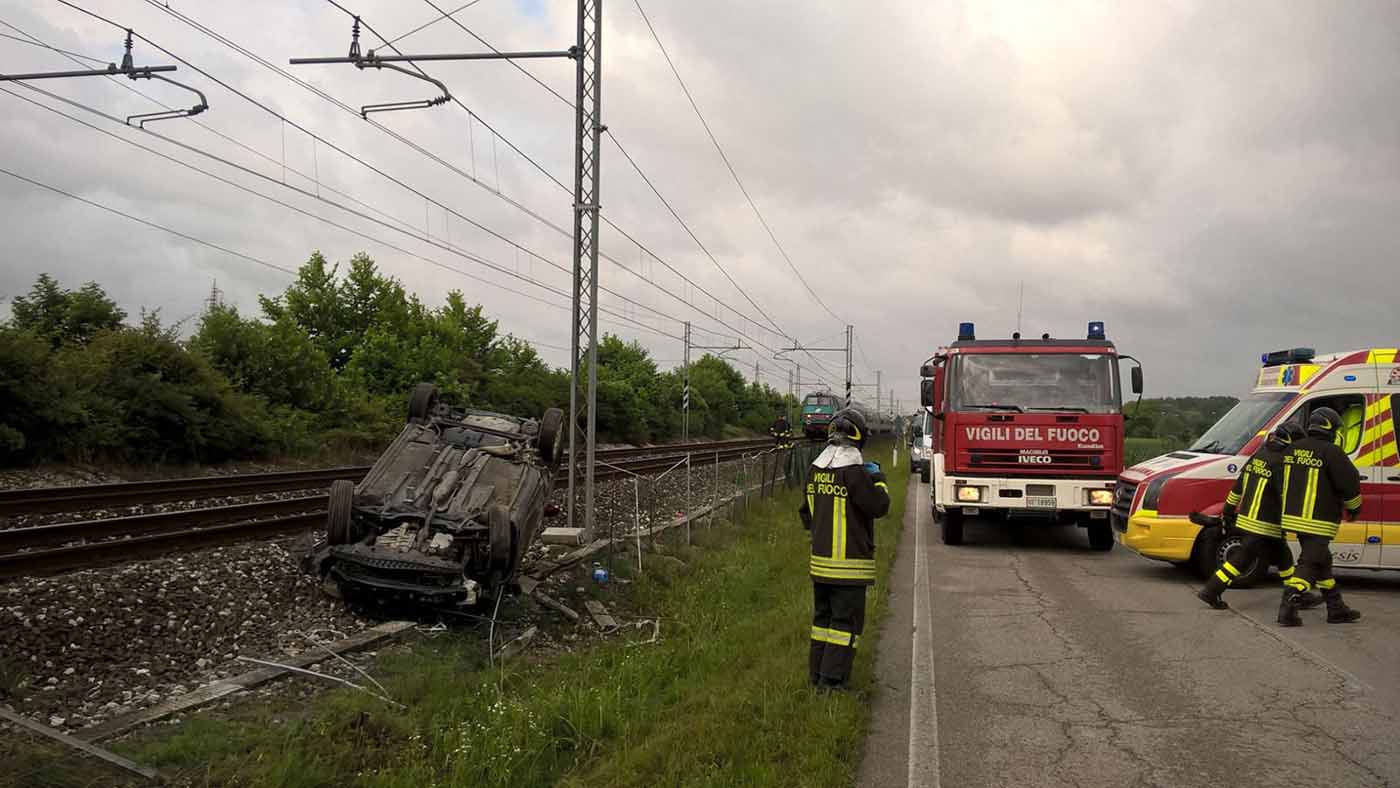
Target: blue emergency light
(965,331)
(1297,355)
(1096,329)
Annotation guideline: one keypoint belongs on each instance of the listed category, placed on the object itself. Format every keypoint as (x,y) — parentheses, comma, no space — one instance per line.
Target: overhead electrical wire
(725,157)
(146,222)
(630,160)
(382,173)
(185,19)
(636,167)
(434,157)
(311,195)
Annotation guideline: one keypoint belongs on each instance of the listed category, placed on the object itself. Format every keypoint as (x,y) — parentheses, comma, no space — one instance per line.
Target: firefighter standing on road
(1320,485)
(1255,506)
(844,498)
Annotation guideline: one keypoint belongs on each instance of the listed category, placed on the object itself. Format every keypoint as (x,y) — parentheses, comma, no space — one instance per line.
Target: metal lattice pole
(583,396)
(685,393)
(850,330)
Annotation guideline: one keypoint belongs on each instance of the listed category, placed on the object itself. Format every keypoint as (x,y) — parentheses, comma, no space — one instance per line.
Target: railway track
(82,544)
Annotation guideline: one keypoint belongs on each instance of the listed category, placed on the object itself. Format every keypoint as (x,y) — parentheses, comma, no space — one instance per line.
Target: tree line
(1177,421)
(324,367)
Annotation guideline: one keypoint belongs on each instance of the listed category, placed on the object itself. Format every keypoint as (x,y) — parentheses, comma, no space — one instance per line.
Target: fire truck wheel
(952,528)
(1100,535)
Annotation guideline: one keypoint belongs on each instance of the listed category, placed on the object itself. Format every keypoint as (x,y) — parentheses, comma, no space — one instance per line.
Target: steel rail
(48,500)
(29,551)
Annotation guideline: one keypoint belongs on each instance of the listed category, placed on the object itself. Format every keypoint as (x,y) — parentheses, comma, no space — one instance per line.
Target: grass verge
(719,699)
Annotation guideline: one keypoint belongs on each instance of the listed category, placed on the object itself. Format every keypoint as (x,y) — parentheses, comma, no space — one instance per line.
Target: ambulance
(1154,499)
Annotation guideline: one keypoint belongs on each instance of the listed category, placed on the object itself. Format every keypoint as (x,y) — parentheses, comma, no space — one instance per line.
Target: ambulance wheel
(952,528)
(1213,550)
(339,522)
(422,402)
(1100,535)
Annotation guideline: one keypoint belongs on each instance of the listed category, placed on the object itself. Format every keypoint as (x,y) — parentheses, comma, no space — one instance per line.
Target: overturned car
(447,512)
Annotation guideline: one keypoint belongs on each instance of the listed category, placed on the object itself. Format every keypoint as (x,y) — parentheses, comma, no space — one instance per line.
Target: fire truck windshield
(1243,422)
(1026,382)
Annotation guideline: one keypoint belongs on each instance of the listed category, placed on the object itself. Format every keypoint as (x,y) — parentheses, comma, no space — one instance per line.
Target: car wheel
(422,402)
(1100,535)
(952,527)
(502,537)
(551,443)
(339,522)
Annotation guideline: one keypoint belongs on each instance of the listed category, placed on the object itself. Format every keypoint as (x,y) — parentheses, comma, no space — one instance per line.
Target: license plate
(1040,502)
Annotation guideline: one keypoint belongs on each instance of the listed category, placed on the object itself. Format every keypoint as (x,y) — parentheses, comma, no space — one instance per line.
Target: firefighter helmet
(848,425)
(1324,423)
(1284,434)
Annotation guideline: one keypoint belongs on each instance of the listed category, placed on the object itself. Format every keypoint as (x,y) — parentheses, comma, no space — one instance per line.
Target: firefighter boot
(1210,593)
(1288,609)
(1337,610)
(1308,600)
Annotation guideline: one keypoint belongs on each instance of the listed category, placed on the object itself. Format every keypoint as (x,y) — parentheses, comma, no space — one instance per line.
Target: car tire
(1212,550)
(551,440)
(502,538)
(339,510)
(1100,534)
(422,402)
(952,527)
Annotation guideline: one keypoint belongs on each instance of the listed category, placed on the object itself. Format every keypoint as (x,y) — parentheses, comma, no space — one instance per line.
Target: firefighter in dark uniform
(1255,506)
(781,431)
(1320,486)
(844,498)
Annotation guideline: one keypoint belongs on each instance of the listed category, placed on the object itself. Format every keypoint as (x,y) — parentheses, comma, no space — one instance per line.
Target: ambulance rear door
(1379,454)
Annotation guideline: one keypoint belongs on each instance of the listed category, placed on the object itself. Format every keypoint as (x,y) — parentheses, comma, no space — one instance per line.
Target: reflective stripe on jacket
(1257,497)
(1319,483)
(841,505)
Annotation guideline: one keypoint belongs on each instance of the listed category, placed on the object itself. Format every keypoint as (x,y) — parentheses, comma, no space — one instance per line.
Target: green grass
(1135,450)
(720,699)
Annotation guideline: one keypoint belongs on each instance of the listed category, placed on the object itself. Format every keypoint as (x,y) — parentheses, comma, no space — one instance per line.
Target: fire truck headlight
(969,494)
(1100,497)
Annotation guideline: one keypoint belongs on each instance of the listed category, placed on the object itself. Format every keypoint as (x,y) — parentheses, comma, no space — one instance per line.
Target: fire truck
(1026,428)
(1155,499)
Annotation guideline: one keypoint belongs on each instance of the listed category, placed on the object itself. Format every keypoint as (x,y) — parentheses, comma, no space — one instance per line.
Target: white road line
(923,697)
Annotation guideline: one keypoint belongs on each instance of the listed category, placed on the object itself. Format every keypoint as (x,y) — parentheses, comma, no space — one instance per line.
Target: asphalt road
(1022,658)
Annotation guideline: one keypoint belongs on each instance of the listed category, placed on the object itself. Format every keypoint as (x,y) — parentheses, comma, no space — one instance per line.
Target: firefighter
(1255,506)
(781,431)
(844,497)
(1320,486)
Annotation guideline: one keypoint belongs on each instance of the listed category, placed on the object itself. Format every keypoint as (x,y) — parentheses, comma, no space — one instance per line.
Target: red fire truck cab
(1026,428)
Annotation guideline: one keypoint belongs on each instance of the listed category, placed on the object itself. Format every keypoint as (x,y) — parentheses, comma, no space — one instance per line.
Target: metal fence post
(637,517)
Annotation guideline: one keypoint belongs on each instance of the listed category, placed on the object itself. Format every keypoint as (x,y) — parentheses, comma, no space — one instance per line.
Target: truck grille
(1059,460)
(1122,504)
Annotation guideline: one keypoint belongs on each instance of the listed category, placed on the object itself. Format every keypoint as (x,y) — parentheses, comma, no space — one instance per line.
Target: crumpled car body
(447,513)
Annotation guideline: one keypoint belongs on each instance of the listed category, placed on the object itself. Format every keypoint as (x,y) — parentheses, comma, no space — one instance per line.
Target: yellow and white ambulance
(1153,499)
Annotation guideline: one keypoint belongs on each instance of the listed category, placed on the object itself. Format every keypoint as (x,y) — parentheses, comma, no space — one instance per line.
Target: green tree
(277,361)
(63,316)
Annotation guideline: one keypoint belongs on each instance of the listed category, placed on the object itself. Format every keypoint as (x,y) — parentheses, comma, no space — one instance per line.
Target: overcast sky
(1211,179)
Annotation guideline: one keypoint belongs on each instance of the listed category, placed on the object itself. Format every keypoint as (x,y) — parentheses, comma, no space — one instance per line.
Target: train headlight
(969,494)
(1100,497)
